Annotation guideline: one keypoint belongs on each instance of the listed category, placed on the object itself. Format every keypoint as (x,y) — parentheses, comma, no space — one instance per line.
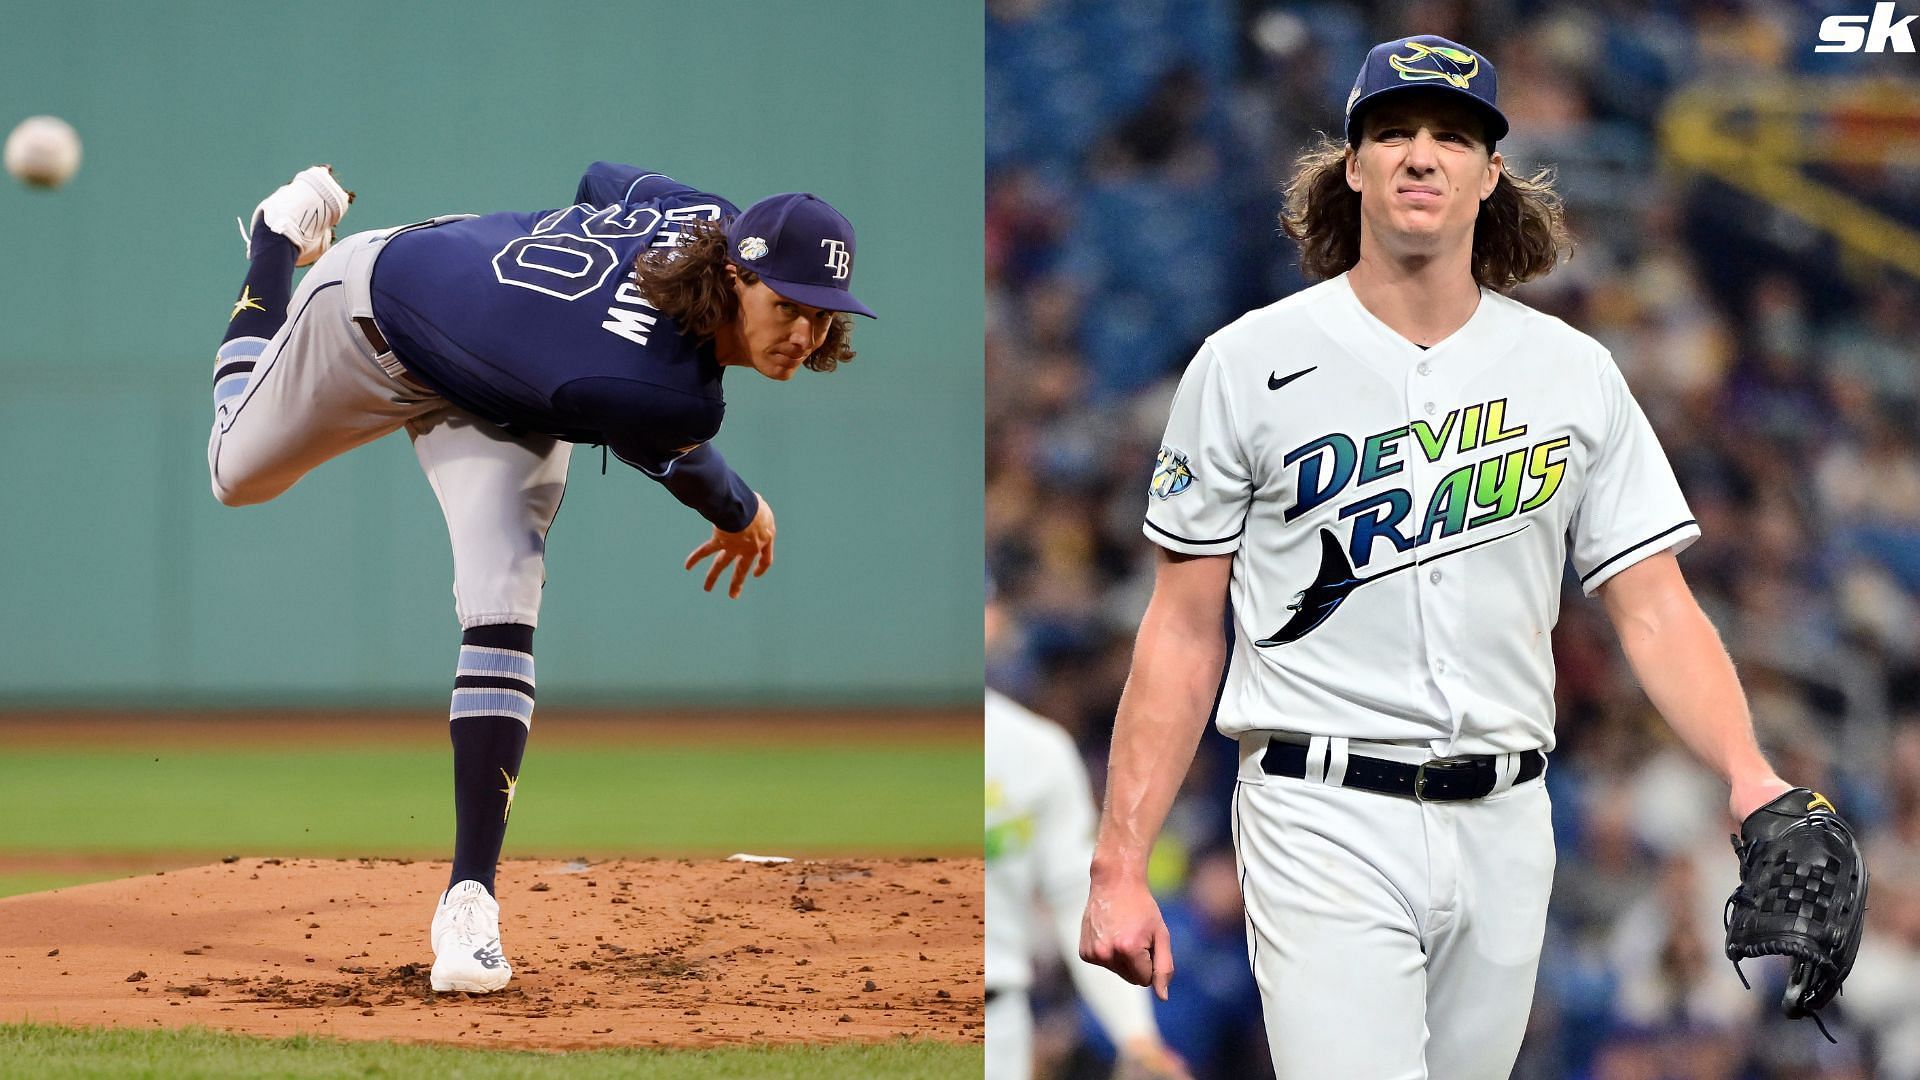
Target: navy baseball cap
(1426,63)
(801,247)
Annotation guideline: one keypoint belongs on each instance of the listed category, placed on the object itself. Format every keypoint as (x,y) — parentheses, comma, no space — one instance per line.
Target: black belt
(1439,780)
(374,337)
(384,355)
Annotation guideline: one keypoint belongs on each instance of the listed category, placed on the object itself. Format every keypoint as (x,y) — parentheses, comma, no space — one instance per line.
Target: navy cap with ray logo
(801,247)
(1431,64)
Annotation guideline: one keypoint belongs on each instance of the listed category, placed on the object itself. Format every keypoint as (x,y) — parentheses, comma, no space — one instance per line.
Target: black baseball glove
(1802,895)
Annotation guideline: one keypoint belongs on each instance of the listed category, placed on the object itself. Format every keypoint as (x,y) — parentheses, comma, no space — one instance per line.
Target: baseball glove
(1802,895)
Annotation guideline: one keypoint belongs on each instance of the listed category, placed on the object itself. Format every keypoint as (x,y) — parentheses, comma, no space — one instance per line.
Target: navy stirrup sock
(258,313)
(491,715)
(262,304)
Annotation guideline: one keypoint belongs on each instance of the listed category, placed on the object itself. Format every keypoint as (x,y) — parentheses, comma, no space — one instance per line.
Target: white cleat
(466,941)
(305,211)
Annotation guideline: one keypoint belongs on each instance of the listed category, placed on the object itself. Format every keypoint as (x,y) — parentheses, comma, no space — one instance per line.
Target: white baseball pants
(1009,1036)
(318,390)
(1391,939)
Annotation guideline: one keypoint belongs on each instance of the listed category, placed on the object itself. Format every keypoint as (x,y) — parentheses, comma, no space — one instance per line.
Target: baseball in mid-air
(43,151)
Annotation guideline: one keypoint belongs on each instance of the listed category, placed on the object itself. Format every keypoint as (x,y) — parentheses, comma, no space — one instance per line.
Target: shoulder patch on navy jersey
(1171,474)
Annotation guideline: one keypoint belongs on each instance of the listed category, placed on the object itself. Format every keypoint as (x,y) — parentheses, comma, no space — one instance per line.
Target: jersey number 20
(573,263)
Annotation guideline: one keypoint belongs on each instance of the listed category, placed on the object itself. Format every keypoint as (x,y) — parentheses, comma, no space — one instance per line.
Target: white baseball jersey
(1039,844)
(1400,518)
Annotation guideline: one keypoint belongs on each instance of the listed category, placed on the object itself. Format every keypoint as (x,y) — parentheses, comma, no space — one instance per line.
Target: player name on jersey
(626,322)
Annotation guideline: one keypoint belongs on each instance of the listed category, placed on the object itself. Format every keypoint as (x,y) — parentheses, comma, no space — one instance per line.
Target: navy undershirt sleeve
(701,479)
(666,433)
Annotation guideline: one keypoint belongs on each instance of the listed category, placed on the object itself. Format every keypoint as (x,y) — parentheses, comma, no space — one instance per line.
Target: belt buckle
(1442,764)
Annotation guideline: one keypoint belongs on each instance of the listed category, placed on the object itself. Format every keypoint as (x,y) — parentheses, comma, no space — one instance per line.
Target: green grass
(600,801)
(40,1050)
(32,881)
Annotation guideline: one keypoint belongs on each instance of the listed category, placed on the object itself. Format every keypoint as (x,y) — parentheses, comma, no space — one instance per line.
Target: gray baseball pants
(320,389)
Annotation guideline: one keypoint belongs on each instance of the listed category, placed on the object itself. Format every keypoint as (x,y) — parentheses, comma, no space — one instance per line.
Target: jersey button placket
(1424,389)
(1420,478)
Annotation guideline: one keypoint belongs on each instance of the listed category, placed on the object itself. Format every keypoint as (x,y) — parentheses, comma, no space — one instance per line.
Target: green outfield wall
(127,584)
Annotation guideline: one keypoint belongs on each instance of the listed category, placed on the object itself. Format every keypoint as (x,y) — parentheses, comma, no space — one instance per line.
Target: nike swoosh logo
(1274,383)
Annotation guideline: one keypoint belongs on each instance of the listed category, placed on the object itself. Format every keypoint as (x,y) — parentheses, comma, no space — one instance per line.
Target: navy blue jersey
(532,321)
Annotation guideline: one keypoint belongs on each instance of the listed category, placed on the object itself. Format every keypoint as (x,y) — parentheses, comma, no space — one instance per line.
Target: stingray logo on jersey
(1454,66)
(1477,495)
(1171,475)
(1005,835)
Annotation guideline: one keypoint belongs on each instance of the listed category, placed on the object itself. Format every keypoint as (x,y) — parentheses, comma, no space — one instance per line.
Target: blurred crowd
(1136,152)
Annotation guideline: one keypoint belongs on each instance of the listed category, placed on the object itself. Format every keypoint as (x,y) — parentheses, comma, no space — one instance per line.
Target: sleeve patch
(1171,474)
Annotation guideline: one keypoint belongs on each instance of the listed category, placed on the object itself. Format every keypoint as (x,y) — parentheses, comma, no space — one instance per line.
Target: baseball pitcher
(496,342)
(1381,478)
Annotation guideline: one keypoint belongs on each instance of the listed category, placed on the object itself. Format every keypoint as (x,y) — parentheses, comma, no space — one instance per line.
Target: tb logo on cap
(839,259)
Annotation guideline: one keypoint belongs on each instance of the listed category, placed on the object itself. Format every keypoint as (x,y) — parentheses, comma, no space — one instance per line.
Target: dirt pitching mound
(651,952)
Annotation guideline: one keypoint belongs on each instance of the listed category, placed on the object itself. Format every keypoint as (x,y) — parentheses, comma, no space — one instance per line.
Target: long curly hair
(688,283)
(1520,235)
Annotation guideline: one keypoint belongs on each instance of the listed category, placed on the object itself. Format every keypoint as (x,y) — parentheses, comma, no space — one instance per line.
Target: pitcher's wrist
(1112,868)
